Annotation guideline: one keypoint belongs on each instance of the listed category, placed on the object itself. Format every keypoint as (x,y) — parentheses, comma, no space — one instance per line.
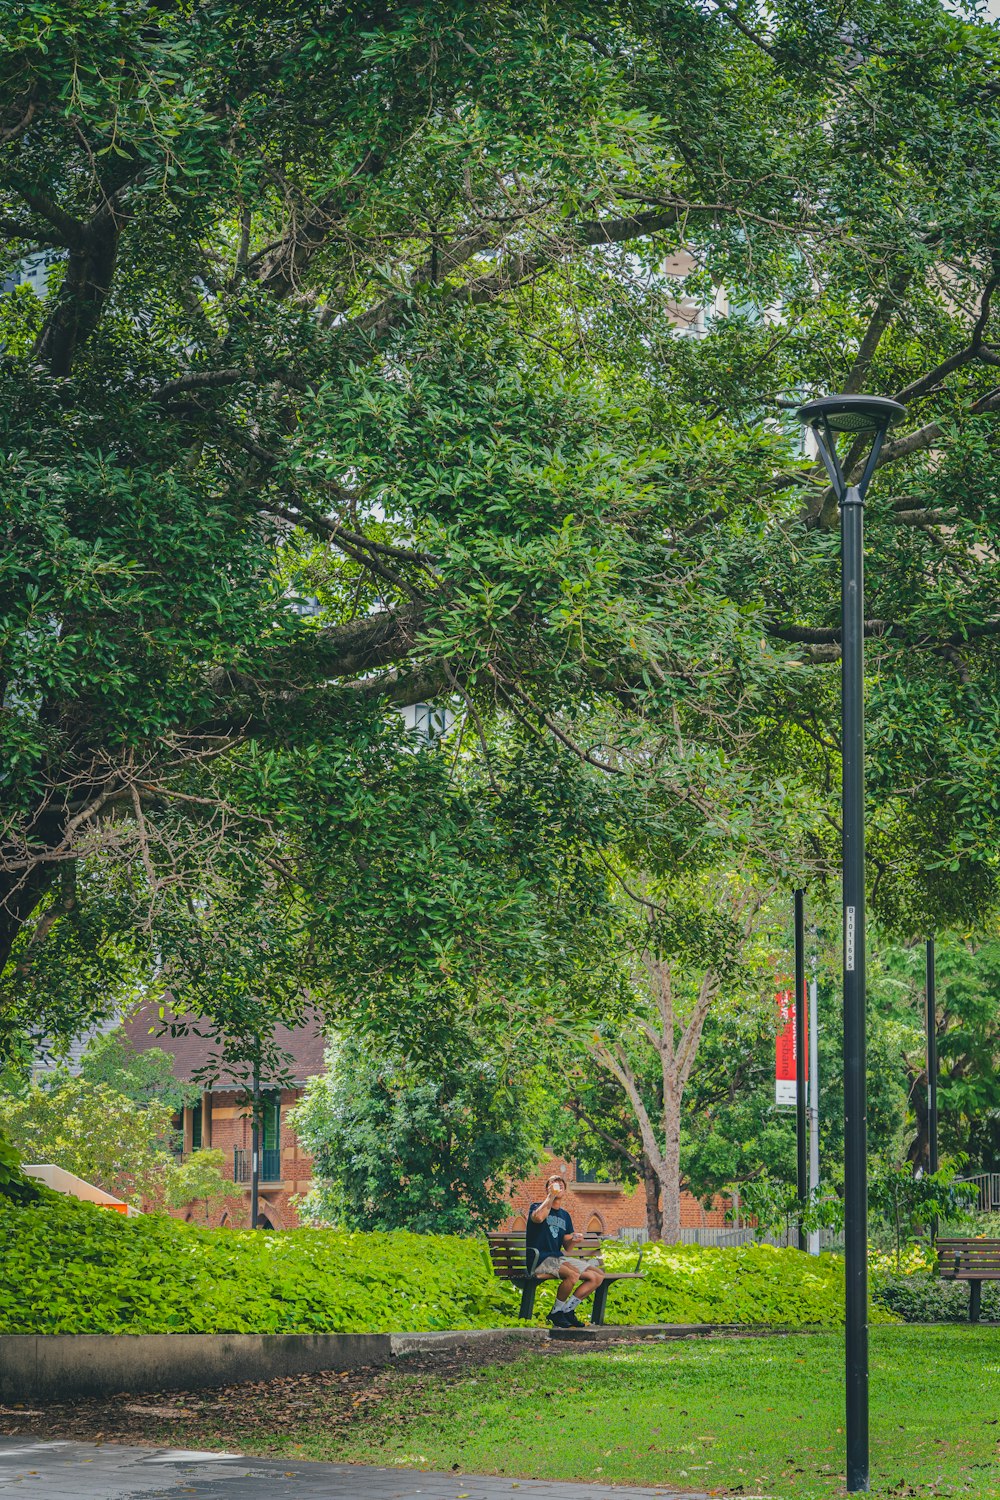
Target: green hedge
(68,1267)
(72,1268)
(753,1284)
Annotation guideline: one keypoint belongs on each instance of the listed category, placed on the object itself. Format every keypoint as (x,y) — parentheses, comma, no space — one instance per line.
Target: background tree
(88,1129)
(593,1121)
(968,987)
(198,1179)
(396,1150)
(145,1077)
(691,945)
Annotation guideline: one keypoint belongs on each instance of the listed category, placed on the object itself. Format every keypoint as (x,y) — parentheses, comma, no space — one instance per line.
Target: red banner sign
(784,1051)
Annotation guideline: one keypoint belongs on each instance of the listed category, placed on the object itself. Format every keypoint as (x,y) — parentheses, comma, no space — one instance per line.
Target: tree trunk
(18,898)
(918,1154)
(670,1174)
(654,1214)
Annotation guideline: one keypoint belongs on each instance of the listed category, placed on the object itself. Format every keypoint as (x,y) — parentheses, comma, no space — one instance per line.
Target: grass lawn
(740,1416)
(731,1416)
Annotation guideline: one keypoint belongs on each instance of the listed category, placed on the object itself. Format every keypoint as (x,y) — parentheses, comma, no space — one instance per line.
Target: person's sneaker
(560,1319)
(571,1320)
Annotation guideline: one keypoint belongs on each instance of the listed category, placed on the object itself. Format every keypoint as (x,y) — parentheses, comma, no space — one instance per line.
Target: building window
(196,1127)
(584,1173)
(270,1123)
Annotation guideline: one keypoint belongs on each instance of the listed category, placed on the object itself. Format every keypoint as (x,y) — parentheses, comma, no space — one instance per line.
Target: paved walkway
(104,1471)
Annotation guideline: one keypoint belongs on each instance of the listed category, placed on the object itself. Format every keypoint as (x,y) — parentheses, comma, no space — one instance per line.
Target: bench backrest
(509,1257)
(962,1257)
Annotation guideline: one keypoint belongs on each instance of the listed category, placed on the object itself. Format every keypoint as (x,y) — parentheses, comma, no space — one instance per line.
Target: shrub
(90,1129)
(753,1284)
(925,1298)
(68,1267)
(393,1148)
(14,1185)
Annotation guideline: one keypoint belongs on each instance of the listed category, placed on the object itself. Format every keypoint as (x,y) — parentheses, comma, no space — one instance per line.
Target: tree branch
(521,266)
(880,320)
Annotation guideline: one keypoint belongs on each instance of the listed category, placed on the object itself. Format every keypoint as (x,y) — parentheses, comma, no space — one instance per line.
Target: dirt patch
(260,1415)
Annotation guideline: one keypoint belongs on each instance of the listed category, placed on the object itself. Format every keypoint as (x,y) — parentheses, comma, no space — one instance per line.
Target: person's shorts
(553,1264)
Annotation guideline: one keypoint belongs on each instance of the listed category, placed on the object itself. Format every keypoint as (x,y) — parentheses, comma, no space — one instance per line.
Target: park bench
(509,1258)
(971,1260)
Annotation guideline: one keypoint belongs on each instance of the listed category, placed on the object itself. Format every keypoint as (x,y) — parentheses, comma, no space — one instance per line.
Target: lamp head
(855,414)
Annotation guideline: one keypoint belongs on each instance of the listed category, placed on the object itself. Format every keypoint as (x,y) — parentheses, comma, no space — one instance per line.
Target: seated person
(550,1233)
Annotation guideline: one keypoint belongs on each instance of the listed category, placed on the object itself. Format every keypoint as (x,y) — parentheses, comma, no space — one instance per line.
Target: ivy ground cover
(67,1267)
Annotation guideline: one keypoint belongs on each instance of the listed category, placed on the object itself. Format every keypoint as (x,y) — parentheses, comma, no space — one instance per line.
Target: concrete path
(104,1471)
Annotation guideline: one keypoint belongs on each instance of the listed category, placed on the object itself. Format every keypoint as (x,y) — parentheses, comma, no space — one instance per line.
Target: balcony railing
(988,1187)
(270,1164)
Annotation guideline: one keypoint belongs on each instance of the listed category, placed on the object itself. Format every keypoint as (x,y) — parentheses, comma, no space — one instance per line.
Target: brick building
(607,1207)
(220,1120)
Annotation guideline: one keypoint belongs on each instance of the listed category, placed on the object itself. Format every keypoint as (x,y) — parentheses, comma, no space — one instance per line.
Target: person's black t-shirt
(547,1237)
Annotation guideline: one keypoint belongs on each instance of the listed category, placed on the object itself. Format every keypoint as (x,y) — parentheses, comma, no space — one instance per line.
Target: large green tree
(393,1148)
(355,381)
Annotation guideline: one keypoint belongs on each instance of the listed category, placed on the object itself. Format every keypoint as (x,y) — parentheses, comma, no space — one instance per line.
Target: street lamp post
(861,417)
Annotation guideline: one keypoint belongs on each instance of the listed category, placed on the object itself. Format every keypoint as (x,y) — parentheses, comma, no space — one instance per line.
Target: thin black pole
(255,1150)
(932,1061)
(855,1101)
(932,1070)
(801,1038)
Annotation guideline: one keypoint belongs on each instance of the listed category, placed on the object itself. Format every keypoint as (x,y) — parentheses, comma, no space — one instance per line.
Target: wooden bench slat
(973,1260)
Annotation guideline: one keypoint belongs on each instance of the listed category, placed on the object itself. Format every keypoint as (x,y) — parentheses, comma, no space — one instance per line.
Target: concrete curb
(68,1366)
(64,1366)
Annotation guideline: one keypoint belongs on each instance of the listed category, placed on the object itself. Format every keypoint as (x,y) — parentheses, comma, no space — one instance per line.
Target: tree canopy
(354,380)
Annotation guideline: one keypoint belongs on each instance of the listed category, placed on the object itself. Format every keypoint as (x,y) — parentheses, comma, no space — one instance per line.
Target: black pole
(255,1150)
(932,1061)
(829,416)
(801,1038)
(855,1101)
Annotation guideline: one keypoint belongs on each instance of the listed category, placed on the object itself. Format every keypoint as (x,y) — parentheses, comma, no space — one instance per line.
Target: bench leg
(600,1302)
(975,1299)
(527,1299)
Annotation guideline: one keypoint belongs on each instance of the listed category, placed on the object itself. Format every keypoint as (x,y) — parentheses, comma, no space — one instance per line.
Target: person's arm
(569,1238)
(541,1213)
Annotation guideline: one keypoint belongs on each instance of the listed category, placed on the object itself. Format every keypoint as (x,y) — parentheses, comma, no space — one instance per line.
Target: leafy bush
(68,1267)
(393,1148)
(90,1129)
(925,1298)
(199,1179)
(13,1183)
(753,1284)
(907,1203)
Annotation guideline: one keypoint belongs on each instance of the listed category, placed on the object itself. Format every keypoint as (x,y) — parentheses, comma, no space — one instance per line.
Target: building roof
(305,1045)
